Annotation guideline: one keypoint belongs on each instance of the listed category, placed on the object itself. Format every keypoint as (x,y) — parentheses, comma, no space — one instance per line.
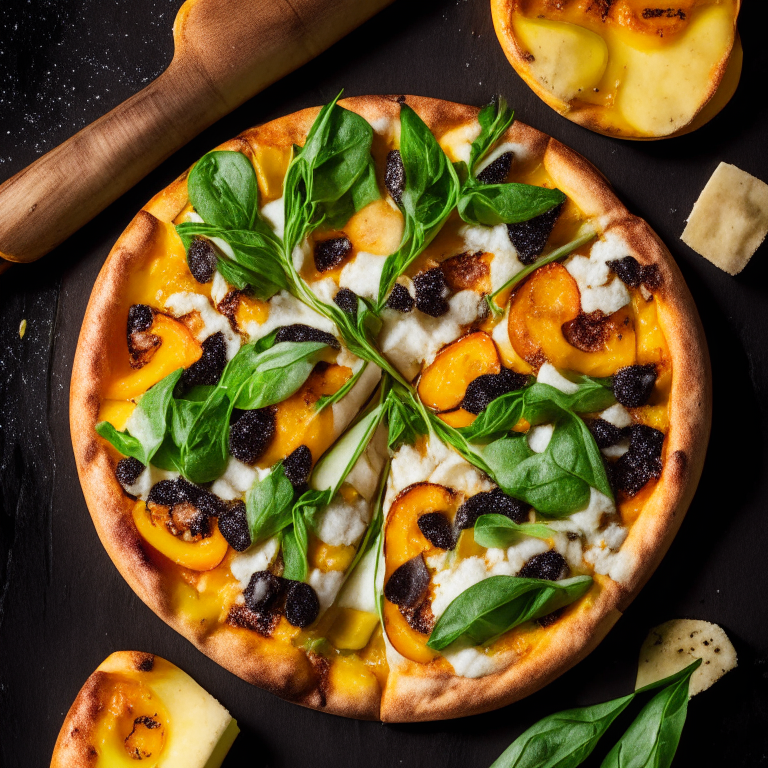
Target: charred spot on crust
(605,433)
(633,385)
(128,470)
(330,253)
(420,618)
(147,663)
(208,369)
(497,171)
(251,433)
(431,292)
(494,502)
(233,524)
(265,592)
(437,530)
(651,276)
(669,13)
(550,566)
(587,332)
(297,466)
(407,586)
(486,388)
(400,299)
(530,237)
(346,301)
(642,461)
(394,176)
(299,332)
(263,623)
(201,260)
(301,604)
(465,271)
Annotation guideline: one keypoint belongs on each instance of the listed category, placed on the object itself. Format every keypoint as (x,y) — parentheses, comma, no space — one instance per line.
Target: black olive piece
(298,332)
(530,237)
(167,493)
(431,292)
(207,502)
(297,466)
(494,502)
(633,385)
(330,253)
(551,618)
(128,470)
(628,270)
(251,434)
(187,517)
(346,301)
(651,276)
(407,586)
(208,368)
(400,299)
(642,461)
(201,260)
(394,176)
(437,530)
(497,171)
(301,604)
(548,565)
(264,592)
(486,388)
(605,433)
(233,524)
(140,318)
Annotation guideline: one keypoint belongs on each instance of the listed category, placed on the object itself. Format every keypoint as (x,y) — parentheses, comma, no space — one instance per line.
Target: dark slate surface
(64,607)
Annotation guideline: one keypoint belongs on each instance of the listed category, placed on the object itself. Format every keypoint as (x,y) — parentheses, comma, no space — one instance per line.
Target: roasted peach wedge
(634,69)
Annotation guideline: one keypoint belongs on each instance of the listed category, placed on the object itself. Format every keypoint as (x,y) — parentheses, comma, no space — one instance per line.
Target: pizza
(139,707)
(391,407)
(635,69)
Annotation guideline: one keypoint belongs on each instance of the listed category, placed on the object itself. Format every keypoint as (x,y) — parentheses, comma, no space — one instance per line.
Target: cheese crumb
(548,374)
(599,287)
(363,275)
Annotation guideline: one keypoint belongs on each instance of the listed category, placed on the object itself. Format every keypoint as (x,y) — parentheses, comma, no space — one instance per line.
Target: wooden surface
(63,606)
(225,52)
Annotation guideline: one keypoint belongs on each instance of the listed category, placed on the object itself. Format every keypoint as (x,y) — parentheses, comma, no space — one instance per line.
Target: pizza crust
(412,692)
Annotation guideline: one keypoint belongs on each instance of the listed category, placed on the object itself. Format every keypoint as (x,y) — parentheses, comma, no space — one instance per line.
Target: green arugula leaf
(294,560)
(148,422)
(500,603)
(404,418)
(268,505)
(498,531)
(431,193)
(501,415)
(494,118)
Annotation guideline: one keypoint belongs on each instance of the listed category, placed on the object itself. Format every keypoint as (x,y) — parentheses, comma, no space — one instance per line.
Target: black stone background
(63,605)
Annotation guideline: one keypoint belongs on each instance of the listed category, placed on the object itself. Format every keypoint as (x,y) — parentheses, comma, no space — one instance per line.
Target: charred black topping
(394,176)
(167,493)
(140,318)
(265,592)
(551,618)
(233,525)
(588,332)
(201,259)
(530,237)
(605,433)
(632,273)
(669,13)
(298,332)
(301,604)
(431,292)
(548,565)
(346,301)
(208,368)
(400,299)
(420,618)
(141,341)
(633,385)
(497,171)
(494,502)
(330,253)
(437,530)
(465,271)
(297,466)
(642,461)
(128,470)
(486,388)
(407,586)
(251,433)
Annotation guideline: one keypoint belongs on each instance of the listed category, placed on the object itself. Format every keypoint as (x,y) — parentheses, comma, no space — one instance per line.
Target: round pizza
(390,407)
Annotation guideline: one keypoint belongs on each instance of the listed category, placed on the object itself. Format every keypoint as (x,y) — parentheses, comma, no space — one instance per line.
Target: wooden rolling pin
(225,51)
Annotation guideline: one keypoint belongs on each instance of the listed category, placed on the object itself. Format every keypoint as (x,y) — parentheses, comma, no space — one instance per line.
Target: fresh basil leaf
(294,559)
(268,505)
(651,741)
(500,603)
(501,415)
(498,531)
(494,118)
(491,204)
(222,188)
(149,422)
(431,193)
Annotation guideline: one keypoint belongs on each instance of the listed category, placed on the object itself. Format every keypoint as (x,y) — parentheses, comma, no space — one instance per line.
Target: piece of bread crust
(412,692)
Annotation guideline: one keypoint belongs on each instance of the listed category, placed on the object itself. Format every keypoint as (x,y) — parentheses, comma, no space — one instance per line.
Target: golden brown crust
(410,693)
(591,115)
